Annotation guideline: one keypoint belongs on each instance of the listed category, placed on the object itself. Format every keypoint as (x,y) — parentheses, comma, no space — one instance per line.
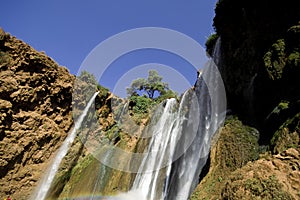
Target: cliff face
(260,67)
(35,116)
(260,60)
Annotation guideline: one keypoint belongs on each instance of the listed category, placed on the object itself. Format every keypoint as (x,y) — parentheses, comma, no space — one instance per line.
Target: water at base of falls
(45,184)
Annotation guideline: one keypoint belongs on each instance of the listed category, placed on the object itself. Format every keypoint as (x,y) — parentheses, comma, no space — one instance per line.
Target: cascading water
(44,186)
(183,135)
(179,146)
(162,144)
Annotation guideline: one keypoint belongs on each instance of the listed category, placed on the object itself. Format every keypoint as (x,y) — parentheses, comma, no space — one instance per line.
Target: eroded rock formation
(35,116)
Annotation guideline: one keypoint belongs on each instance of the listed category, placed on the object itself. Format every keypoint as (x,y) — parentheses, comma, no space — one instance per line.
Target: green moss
(240,144)
(256,187)
(288,135)
(82,164)
(294,58)
(275,60)
(268,188)
(237,145)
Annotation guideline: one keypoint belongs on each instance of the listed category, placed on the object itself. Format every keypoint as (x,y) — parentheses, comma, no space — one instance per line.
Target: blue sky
(68,30)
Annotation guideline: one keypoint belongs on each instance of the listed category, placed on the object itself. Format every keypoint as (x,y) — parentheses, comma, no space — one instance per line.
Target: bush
(210,43)
(145,93)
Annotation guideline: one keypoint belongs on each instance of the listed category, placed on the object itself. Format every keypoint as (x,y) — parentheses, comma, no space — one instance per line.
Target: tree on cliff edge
(151,86)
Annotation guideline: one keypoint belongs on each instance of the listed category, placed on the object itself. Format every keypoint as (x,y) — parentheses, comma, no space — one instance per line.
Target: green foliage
(88,78)
(113,132)
(287,135)
(140,105)
(210,43)
(281,106)
(167,95)
(256,187)
(275,60)
(85,86)
(142,94)
(90,84)
(294,58)
(149,86)
(240,144)
(237,144)
(268,188)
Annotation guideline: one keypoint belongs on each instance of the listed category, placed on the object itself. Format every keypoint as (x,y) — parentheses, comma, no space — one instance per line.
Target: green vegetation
(150,86)
(287,135)
(85,86)
(294,58)
(210,43)
(283,105)
(89,81)
(141,104)
(254,187)
(146,93)
(275,60)
(265,188)
(88,78)
(237,145)
(240,144)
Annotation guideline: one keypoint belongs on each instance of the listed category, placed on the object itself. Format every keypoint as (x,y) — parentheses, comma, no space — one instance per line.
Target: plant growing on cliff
(275,59)
(210,43)
(84,87)
(145,93)
(151,86)
(88,78)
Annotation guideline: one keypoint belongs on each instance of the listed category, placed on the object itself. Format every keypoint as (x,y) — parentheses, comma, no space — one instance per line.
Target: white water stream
(181,137)
(45,184)
(181,141)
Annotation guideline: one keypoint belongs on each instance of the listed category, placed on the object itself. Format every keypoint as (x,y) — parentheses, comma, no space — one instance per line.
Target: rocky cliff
(260,67)
(258,151)
(39,102)
(35,116)
(260,60)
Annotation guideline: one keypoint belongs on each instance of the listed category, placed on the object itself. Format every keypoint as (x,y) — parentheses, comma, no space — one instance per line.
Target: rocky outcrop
(260,67)
(260,59)
(271,177)
(237,144)
(86,174)
(38,101)
(35,116)
(237,171)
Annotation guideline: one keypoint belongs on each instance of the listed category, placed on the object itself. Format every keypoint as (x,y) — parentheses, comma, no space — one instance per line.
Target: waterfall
(181,135)
(45,184)
(210,99)
(181,141)
(161,144)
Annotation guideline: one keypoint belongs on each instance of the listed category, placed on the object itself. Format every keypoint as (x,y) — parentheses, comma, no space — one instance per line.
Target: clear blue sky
(67,30)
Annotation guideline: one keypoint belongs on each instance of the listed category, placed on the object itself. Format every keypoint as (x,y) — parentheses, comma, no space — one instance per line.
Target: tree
(149,86)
